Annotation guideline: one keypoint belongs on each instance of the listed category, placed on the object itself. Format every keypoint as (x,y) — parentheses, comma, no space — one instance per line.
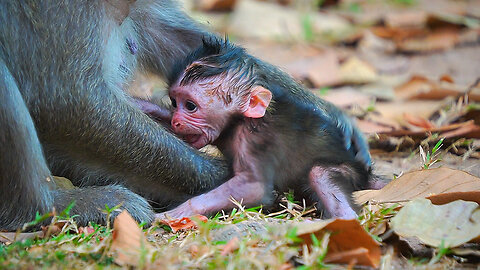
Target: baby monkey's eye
(174,102)
(190,106)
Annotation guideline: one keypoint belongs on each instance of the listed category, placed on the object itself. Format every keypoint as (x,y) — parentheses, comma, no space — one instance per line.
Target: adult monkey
(63,111)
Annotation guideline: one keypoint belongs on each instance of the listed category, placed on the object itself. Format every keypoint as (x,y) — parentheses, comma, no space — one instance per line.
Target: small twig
(472,86)
(381,202)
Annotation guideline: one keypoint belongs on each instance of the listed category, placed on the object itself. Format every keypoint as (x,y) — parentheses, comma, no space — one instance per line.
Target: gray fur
(63,67)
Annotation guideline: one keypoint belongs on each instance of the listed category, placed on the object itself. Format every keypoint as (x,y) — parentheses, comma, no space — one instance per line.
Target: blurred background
(406,70)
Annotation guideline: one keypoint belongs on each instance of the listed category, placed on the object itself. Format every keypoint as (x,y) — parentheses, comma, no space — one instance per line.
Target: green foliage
(307,27)
(323,91)
(404,2)
(431,157)
(441,252)
(354,7)
(292,236)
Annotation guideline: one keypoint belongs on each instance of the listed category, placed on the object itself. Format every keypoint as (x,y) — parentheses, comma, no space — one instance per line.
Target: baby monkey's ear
(259,100)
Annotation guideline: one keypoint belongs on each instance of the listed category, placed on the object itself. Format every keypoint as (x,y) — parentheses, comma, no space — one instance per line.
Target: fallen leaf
(250,21)
(129,243)
(420,184)
(418,121)
(10,237)
(321,70)
(466,129)
(448,225)
(405,19)
(348,243)
(444,198)
(466,252)
(446,78)
(356,71)
(436,41)
(184,223)
(395,111)
(286,266)
(86,230)
(318,66)
(214,5)
(346,97)
(420,87)
(53,229)
(370,127)
(63,183)
(230,247)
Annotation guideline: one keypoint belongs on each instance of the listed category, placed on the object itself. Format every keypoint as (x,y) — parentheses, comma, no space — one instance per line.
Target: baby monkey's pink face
(202,109)
(199,114)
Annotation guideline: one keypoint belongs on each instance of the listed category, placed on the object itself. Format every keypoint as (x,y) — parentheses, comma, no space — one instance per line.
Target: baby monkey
(277,134)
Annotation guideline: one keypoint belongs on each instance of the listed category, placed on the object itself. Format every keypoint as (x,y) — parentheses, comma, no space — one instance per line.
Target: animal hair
(220,60)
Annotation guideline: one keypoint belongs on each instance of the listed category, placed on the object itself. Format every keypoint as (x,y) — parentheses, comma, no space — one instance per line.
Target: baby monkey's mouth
(196,140)
(191,138)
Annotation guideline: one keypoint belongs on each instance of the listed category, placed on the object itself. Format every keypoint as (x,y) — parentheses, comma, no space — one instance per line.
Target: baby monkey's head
(214,84)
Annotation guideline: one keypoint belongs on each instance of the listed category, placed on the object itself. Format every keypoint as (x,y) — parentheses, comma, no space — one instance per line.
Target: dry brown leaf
(198,251)
(86,230)
(10,237)
(230,247)
(466,252)
(436,41)
(214,5)
(465,129)
(420,87)
(183,223)
(356,71)
(348,243)
(349,256)
(268,21)
(395,110)
(447,225)
(397,34)
(345,97)
(418,121)
(286,266)
(53,229)
(415,31)
(446,78)
(320,67)
(370,127)
(406,19)
(128,242)
(321,70)
(444,198)
(420,184)
(62,183)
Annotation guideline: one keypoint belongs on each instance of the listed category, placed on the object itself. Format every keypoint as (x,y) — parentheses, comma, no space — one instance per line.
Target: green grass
(72,247)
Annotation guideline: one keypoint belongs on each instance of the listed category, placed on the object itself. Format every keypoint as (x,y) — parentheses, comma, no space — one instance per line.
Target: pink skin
(240,187)
(202,125)
(153,110)
(331,196)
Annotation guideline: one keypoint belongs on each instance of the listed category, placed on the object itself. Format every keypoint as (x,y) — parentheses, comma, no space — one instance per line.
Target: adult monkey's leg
(26,185)
(24,174)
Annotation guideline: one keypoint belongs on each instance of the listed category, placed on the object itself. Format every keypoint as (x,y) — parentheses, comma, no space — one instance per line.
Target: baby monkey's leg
(241,188)
(330,183)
